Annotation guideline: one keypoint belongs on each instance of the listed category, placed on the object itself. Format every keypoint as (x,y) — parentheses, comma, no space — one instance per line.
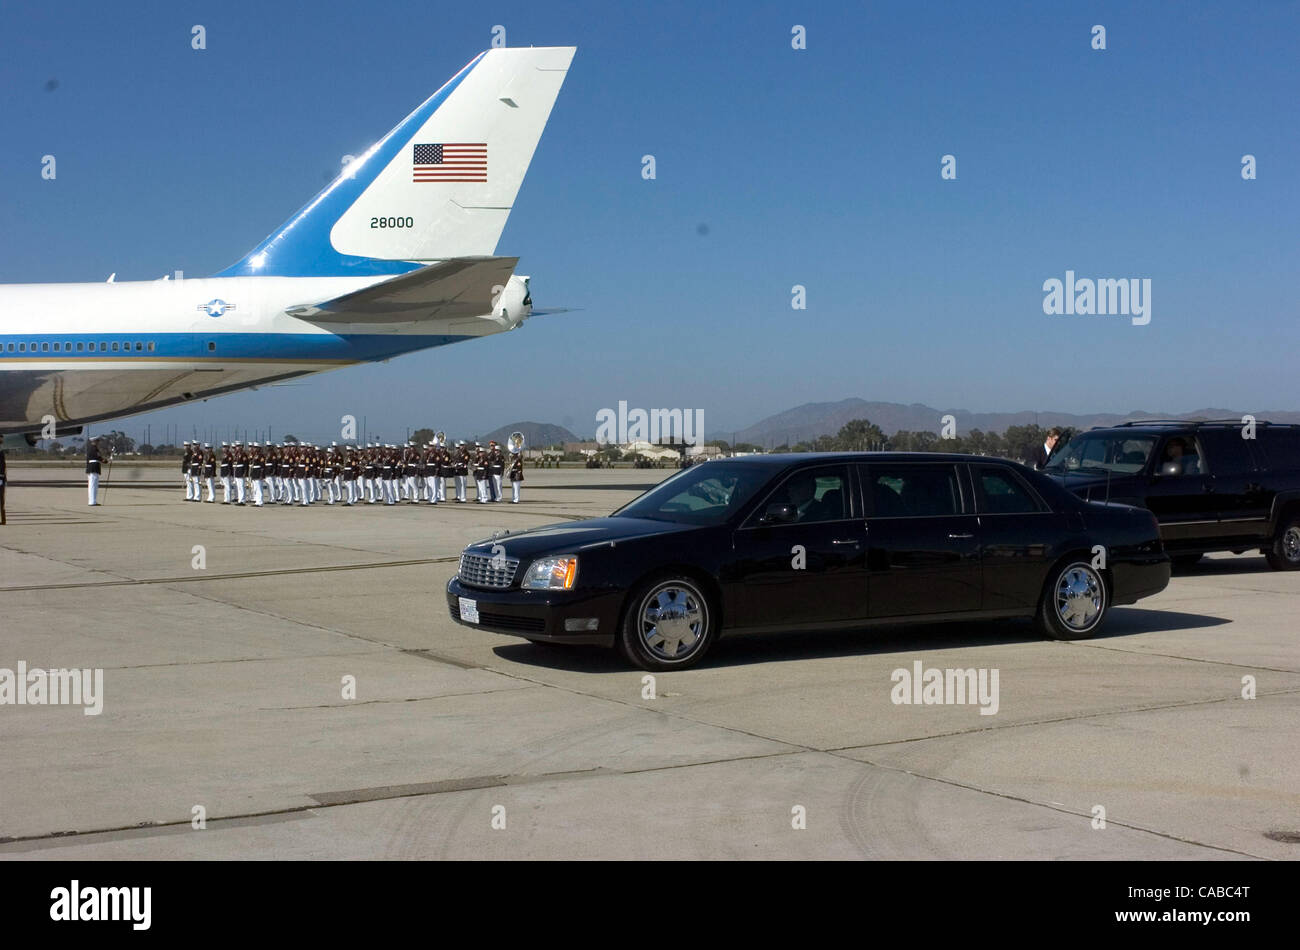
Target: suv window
(1227,450)
(1001,492)
(1281,446)
(1181,455)
(1101,452)
(913,491)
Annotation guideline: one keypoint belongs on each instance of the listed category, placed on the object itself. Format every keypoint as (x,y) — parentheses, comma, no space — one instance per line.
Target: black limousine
(814,542)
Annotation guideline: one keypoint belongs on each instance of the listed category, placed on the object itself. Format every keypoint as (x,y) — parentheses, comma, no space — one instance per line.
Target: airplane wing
(454,289)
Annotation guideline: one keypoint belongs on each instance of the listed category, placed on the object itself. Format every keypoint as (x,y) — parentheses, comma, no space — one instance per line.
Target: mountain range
(537,435)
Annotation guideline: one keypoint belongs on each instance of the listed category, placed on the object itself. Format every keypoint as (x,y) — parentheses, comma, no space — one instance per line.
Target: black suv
(1211,485)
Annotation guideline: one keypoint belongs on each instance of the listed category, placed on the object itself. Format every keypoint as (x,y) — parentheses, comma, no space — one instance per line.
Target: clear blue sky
(775,167)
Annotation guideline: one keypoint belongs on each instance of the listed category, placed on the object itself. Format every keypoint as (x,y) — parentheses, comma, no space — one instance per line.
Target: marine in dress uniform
(239,471)
(196,471)
(462,469)
(209,471)
(388,475)
(4,477)
(300,477)
(285,470)
(186,458)
(481,474)
(516,475)
(224,470)
(445,470)
(94,456)
(256,468)
(350,474)
(496,468)
(429,472)
(370,469)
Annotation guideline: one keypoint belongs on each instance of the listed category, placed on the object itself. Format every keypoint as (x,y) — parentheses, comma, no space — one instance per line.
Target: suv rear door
(1242,505)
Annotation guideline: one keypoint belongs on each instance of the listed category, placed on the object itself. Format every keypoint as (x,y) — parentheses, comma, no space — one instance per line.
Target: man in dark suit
(1043,453)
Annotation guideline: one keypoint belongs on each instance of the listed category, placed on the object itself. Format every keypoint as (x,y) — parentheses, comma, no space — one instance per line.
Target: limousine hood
(572,537)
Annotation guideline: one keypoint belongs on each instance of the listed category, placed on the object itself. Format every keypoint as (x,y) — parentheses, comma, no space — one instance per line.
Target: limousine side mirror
(779,512)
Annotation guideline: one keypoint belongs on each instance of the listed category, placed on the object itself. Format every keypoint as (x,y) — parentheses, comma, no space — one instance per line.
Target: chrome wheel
(673,620)
(1291,544)
(1080,596)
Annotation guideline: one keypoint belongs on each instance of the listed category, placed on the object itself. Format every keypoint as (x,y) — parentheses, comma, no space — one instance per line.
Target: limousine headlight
(551,573)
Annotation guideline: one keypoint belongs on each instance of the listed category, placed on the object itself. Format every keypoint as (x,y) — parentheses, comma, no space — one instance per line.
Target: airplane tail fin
(438,186)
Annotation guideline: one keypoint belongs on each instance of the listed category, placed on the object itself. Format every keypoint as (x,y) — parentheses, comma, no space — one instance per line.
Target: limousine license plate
(468,610)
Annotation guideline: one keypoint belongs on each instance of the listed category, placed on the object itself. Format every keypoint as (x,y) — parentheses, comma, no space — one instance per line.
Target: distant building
(586,448)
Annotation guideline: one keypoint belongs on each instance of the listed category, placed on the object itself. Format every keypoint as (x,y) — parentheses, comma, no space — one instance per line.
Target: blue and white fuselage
(396,255)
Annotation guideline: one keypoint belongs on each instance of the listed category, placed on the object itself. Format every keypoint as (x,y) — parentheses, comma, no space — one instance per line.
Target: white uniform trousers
(92,489)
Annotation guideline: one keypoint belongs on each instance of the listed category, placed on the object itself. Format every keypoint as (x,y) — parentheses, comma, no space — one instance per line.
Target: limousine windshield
(704,494)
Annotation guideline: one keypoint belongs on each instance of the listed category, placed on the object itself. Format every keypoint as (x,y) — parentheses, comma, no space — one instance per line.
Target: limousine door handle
(847,541)
(959,537)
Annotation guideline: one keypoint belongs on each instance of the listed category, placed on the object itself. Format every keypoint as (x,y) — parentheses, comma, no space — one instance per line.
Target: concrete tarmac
(227,636)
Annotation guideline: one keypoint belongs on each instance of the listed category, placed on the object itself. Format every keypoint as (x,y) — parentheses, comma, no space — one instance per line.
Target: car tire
(670,623)
(1285,553)
(1075,601)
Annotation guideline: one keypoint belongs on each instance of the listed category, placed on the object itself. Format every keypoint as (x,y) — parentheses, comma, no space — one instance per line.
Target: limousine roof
(791,457)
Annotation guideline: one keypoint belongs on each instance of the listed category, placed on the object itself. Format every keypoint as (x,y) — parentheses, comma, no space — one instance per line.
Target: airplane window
(138,346)
(151,346)
(22,347)
(68,347)
(45,347)
(56,347)
(91,346)
(212,346)
(115,346)
(80,347)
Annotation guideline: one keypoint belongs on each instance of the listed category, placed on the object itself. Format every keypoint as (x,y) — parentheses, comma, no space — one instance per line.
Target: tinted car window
(1001,493)
(1181,455)
(1118,453)
(819,494)
(913,491)
(1226,451)
(702,494)
(1281,447)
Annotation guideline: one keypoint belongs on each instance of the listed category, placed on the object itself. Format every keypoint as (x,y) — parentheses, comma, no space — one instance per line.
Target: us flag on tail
(450,162)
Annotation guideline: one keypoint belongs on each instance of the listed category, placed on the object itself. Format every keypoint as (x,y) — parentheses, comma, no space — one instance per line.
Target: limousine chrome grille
(492,572)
